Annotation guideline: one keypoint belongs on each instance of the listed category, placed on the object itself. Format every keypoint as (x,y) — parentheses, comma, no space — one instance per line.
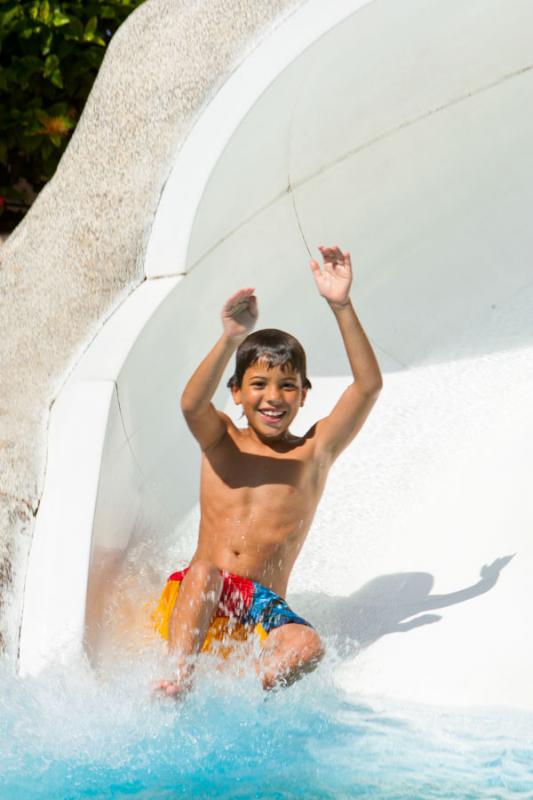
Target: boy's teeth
(273,413)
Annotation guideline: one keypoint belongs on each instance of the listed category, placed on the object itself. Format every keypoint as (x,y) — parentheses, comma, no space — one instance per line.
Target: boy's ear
(236,393)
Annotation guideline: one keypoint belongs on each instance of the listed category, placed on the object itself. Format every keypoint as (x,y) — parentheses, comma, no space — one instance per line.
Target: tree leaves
(59,18)
(52,71)
(50,53)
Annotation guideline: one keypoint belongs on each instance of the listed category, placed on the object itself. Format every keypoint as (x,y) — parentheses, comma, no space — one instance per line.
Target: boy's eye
(261,384)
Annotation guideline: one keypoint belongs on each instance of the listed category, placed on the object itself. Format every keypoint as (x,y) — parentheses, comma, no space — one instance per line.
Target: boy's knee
(297,645)
(313,650)
(291,655)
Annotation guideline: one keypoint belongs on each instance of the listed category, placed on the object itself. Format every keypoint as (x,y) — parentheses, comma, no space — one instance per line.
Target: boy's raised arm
(239,315)
(337,430)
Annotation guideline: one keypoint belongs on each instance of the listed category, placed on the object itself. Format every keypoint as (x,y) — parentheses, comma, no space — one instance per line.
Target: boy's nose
(273,395)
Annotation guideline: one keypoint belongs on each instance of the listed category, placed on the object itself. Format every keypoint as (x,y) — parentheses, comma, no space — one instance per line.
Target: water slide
(402,133)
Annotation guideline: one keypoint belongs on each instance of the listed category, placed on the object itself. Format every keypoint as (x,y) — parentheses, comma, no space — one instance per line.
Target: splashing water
(73,734)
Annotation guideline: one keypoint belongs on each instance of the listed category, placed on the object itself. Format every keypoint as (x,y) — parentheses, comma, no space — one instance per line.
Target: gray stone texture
(80,250)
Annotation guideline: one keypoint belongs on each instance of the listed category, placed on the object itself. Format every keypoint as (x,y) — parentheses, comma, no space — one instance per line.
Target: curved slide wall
(402,132)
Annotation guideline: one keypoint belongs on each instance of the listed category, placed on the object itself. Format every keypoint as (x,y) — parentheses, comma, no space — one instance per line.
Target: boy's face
(270,398)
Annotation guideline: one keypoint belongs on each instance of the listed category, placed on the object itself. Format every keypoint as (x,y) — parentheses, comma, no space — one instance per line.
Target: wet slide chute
(401,132)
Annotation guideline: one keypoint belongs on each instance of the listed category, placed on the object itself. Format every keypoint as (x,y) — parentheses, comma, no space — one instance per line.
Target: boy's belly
(256,532)
(269,563)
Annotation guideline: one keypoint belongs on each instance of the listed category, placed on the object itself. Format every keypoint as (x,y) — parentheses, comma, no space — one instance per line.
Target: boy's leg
(288,653)
(195,606)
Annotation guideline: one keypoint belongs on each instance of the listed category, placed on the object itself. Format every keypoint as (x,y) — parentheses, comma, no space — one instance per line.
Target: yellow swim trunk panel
(221,629)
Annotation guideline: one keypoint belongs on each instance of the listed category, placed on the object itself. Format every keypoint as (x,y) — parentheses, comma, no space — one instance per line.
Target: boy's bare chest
(266,480)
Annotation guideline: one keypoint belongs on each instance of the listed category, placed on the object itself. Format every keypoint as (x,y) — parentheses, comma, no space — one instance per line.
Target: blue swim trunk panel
(270,610)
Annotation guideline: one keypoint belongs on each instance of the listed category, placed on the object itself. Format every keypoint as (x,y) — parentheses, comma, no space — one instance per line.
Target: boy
(260,485)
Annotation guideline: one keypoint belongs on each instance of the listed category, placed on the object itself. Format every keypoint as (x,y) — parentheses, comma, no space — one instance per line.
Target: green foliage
(50,53)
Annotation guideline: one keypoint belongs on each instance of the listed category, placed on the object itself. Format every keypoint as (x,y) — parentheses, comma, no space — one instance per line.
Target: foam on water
(71,733)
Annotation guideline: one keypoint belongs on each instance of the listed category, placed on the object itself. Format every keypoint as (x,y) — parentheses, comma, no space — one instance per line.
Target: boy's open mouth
(271,416)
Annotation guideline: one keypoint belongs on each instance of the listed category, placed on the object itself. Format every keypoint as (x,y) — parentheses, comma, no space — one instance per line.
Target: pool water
(75,734)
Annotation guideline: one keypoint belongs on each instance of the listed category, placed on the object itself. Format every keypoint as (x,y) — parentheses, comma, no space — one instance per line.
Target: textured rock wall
(80,250)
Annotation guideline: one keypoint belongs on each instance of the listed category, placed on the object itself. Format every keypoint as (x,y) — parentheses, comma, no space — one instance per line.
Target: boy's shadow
(387,604)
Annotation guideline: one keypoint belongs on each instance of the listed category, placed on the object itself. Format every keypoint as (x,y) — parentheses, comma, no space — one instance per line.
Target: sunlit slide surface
(400,131)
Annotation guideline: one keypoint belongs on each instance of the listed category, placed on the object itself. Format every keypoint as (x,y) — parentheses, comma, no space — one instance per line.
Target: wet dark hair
(277,348)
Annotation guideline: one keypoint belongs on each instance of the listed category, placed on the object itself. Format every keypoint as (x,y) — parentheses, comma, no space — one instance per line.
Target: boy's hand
(334,281)
(239,315)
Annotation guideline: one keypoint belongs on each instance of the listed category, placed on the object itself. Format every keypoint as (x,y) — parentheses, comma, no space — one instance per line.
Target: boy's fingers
(315,266)
(335,257)
(240,297)
(253,303)
(329,255)
(334,252)
(339,254)
(240,302)
(236,308)
(344,259)
(241,293)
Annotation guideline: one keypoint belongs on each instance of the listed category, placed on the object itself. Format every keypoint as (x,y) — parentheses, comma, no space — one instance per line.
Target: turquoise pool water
(68,734)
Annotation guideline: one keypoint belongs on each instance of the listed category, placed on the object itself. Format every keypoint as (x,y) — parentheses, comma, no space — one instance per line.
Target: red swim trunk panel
(237,593)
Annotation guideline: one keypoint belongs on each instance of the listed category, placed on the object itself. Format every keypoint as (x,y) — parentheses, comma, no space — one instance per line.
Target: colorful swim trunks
(245,606)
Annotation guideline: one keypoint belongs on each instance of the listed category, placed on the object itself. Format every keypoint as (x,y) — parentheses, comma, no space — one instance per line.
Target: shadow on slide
(387,604)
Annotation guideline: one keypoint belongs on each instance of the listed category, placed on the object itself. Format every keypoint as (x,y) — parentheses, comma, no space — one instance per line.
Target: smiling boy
(260,485)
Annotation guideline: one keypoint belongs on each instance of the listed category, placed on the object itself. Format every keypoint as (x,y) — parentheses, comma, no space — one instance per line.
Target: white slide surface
(402,132)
